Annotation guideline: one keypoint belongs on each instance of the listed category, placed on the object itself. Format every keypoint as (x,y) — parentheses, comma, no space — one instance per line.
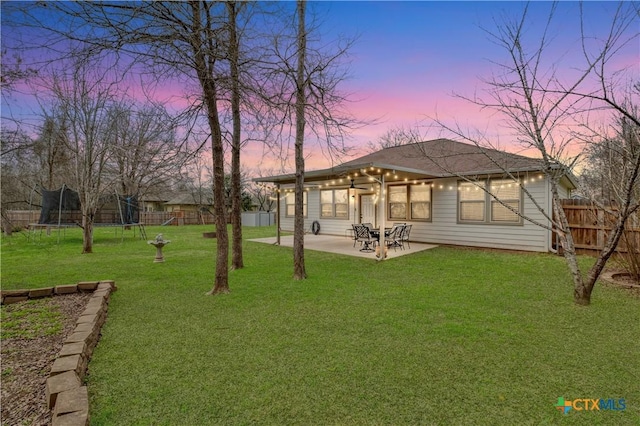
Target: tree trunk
(237,261)
(205,62)
(87,232)
(581,292)
(299,272)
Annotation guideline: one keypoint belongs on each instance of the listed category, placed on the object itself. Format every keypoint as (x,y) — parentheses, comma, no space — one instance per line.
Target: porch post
(383,217)
(278,214)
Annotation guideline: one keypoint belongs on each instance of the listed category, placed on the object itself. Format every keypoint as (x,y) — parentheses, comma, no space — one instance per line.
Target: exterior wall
(328,226)
(181,208)
(444,227)
(152,206)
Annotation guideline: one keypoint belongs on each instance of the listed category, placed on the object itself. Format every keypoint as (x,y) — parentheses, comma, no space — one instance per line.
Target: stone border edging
(65,393)
(15,296)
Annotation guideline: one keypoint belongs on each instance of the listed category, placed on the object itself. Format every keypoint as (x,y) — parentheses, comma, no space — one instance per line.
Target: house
(438,186)
(188,202)
(153,203)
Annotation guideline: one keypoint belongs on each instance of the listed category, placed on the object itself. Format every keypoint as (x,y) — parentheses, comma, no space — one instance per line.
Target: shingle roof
(434,158)
(444,157)
(185,198)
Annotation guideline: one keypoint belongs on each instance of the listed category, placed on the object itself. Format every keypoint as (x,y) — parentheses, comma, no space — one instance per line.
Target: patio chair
(364,237)
(405,235)
(368,225)
(354,234)
(394,237)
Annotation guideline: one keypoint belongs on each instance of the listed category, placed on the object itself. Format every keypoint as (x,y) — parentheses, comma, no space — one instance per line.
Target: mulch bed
(621,279)
(27,361)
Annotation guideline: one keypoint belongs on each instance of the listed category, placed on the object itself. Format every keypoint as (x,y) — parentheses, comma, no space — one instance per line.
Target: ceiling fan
(355,187)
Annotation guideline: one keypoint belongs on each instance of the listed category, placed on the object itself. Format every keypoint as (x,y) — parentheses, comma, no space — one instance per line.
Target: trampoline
(61,209)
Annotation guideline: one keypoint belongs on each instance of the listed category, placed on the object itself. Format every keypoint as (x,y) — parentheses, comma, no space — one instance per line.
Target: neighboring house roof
(187,199)
(154,199)
(435,159)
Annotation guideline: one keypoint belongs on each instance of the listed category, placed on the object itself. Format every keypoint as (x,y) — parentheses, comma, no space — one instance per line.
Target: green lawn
(445,336)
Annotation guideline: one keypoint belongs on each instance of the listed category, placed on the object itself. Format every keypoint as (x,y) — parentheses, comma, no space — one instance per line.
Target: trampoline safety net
(62,207)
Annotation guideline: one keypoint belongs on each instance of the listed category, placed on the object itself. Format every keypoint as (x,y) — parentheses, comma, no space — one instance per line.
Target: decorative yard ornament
(158,243)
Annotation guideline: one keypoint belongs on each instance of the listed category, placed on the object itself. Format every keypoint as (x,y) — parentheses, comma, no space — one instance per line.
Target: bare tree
(539,106)
(144,149)
(396,136)
(18,174)
(51,151)
(610,166)
(263,195)
(299,271)
(165,40)
(302,82)
(83,97)
(232,7)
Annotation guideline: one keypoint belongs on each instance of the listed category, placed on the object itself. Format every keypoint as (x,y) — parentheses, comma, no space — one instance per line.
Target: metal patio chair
(363,235)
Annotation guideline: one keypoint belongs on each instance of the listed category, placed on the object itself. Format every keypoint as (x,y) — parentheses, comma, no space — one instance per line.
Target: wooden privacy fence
(590,227)
(23,218)
(178,218)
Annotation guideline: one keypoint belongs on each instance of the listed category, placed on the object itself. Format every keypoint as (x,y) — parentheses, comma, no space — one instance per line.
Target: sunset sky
(410,58)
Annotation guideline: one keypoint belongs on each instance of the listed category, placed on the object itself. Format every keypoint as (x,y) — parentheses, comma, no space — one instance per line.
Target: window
(509,193)
(334,203)
(290,207)
(398,202)
(472,202)
(420,198)
(410,202)
(477,206)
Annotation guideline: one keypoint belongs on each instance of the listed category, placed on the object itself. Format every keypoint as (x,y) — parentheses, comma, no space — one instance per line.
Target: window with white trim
(290,206)
(334,203)
(475,205)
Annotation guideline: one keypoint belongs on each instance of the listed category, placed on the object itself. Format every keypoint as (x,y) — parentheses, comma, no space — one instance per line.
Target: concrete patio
(342,245)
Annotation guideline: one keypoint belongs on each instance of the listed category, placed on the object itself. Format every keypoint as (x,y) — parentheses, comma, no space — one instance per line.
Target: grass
(445,336)
(30,320)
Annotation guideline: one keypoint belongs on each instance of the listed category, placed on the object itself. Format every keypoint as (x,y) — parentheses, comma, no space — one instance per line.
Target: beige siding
(327,226)
(444,227)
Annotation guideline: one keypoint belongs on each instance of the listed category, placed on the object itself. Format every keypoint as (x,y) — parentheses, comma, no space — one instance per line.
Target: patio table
(375,233)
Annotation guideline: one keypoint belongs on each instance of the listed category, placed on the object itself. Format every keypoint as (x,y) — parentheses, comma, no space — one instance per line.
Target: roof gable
(444,157)
(438,158)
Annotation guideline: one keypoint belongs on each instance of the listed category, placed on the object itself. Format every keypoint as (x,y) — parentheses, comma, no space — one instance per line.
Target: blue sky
(410,57)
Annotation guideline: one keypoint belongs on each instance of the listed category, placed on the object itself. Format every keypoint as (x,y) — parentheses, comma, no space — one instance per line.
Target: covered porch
(342,245)
(357,194)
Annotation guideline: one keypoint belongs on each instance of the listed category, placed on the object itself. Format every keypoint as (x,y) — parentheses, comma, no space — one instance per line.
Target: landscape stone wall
(66,395)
